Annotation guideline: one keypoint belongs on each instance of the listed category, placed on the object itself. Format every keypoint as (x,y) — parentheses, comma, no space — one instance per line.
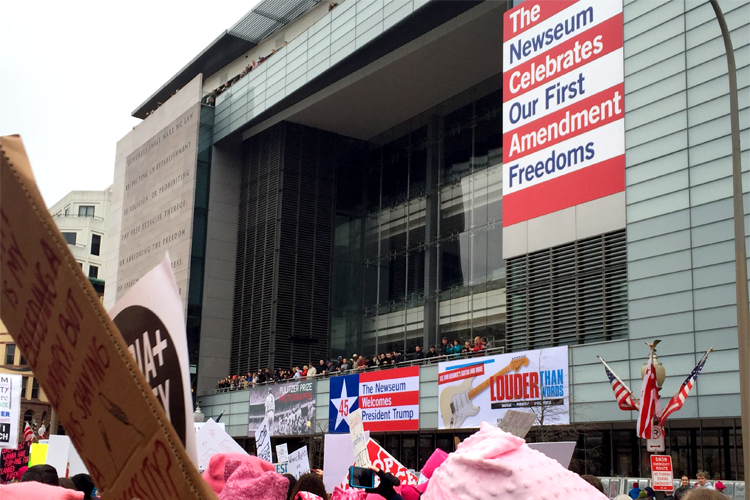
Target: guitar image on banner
(455,402)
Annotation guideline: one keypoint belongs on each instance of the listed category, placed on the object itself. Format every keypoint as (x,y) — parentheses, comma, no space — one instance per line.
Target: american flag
(43,432)
(679,399)
(649,401)
(623,394)
(28,433)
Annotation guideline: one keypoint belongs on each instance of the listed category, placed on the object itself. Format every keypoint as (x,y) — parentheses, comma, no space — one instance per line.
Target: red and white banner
(384,461)
(563,111)
(389,399)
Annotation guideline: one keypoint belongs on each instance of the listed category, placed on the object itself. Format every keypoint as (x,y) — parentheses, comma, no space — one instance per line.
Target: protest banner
(299,462)
(263,441)
(482,389)
(282,453)
(389,400)
(380,458)
(151,320)
(77,354)
(10,409)
(281,468)
(11,461)
(359,441)
(212,439)
(289,408)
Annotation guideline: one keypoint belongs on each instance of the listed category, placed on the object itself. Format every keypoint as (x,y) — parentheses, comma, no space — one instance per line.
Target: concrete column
(432,229)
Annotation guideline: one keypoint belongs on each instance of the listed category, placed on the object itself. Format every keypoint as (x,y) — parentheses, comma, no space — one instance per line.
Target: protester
(292,482)
(720,487)
(387,482)
(593,481)
(478,345)
(84,483)
(635,491)
(704,494)
(456,348)
(466,348)
(431,353)
(418,354)
(310,482)
(702,478)
(445,347)
(35,490)
(650,493)
(495,464)
(41,473)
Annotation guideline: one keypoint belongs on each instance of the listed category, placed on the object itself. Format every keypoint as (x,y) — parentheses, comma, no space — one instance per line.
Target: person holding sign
(387,483)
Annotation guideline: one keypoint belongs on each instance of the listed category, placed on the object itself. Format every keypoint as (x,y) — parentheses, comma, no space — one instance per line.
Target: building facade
(347,195)
(81,217)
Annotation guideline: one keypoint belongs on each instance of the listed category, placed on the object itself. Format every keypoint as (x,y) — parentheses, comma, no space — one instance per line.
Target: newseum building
(542,174)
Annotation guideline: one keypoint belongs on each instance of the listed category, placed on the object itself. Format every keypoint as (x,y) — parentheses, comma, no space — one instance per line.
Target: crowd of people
(685,491)
(341,364)
(42,481)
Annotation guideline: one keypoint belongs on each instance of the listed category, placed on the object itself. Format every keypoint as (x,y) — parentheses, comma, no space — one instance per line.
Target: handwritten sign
(212,439)
(11,461)
(359,441)
(77,354)
(10,409)
(263,441)
(282,453)
(517,423)
(299,462)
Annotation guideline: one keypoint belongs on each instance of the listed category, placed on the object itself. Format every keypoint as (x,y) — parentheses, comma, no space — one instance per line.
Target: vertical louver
(571,294)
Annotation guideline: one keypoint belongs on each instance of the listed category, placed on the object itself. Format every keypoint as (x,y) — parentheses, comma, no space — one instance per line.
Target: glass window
(86,211)
(96,243)
(94,272)
(35,390)
(70,238)
(22,362)
(28,416)
(10,354)
(24,383)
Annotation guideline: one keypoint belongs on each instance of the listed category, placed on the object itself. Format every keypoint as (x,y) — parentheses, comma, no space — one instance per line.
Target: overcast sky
(72,72)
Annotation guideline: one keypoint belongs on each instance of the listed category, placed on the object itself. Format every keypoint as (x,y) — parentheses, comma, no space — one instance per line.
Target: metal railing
(490,351)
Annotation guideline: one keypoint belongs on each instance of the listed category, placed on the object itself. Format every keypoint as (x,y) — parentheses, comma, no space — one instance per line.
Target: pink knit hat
(436,459)
(492,464)
(412,491)
(35,490)
(214,475)
(249,482)
(350,494)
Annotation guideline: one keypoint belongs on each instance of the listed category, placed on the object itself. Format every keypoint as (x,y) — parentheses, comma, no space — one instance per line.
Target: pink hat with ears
(249,482)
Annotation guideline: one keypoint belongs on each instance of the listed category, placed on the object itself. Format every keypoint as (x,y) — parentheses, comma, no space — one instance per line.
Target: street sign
(661,473)
(656,444)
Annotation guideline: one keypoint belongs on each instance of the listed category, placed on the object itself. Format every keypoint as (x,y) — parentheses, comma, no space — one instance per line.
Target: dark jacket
(385,488)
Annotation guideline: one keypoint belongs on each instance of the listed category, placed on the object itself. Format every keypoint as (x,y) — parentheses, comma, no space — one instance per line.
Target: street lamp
(198,415)
(661,373)
(740,264)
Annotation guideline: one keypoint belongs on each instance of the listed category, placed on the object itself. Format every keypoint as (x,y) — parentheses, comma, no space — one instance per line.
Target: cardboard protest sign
(299,462)
(263,441)
(77,354)
(212,439)
(151,320)
(10,409)
(282,453)
(359,441)
(11,461)
(517,423)
(383,460)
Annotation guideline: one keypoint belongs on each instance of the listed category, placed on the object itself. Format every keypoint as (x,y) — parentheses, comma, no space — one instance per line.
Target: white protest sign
(299,463)
(58,451)
(517,423)
(75,463)
(10,408)
(282,453)
(199,425)
(212,439)
(151,319)
(561,451)
(359,441)
(263,441)
(338,456)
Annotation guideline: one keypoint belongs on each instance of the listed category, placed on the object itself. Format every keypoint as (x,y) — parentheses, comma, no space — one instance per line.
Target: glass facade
(418,231)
